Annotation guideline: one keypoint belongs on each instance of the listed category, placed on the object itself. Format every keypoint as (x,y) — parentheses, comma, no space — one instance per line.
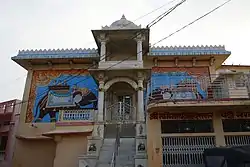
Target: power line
(199,18)
(160,17)
(115,43)
(154,10)
(108,67)
(136,34)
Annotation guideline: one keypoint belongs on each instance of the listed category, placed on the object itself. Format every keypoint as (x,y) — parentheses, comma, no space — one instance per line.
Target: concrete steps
(106,153)
(126,153)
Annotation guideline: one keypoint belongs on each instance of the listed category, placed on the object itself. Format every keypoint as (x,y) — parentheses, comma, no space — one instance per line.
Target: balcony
(7,107)
(76,117)
(127,64)
(229,90)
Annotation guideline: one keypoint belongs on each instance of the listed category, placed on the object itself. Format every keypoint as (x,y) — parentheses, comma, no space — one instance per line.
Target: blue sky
(29,24)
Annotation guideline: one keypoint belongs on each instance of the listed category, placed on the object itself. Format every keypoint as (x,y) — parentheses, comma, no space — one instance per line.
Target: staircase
(106,153)
(126,153)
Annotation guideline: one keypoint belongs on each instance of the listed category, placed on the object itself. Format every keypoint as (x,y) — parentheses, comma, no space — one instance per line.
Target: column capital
(139,37)
(103,38)
(140,76)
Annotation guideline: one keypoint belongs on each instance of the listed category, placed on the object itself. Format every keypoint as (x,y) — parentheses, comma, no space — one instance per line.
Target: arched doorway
(120,109)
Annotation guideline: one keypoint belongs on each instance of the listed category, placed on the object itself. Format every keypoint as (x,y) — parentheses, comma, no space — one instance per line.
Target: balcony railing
(199,88)
(71,116)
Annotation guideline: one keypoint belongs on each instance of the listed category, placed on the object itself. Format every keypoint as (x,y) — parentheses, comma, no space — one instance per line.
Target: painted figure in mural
(81,97)
(60,94)
(178,86)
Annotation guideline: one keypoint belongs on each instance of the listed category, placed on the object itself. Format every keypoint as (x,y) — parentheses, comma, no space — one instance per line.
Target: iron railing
(213,87)
(185,151)
(120,113)
(117,145)
(237,140)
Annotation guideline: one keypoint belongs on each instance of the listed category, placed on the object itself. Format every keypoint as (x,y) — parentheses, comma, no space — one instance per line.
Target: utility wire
(199,18)
(160,17)
(154,10)
(173,32)
(104,57)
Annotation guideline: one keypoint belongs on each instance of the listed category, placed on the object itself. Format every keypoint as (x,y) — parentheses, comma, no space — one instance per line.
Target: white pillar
(100,102)
(103,51)
(140,106)
(139,50)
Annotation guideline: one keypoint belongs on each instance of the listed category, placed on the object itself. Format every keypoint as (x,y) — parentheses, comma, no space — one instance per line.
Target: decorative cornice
(187,50)
(57,53)
(93,53)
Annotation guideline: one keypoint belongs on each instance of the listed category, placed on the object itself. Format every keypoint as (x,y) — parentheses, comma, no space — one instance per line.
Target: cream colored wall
(154,146)
(28,151)
(68,149)
(36,153)
(154,140)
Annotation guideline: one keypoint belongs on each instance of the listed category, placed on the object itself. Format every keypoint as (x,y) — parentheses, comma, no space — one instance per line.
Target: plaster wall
(154,137)
(30,153)
(68,148)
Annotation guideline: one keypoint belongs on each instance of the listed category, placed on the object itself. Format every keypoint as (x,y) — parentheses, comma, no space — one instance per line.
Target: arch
(120,79)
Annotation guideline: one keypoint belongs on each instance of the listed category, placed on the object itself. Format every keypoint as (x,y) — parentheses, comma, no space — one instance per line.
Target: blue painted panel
(177,85)
(63,90)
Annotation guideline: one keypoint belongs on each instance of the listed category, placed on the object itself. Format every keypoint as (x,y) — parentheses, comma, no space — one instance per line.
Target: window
(236,125)
(240,82)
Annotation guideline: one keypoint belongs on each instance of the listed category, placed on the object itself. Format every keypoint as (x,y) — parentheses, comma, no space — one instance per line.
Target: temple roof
(123,23)
(188,50)
(93,53)
(57,53)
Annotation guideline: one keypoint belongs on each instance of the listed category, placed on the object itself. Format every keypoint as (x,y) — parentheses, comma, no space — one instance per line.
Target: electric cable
(136,34)
(164,37)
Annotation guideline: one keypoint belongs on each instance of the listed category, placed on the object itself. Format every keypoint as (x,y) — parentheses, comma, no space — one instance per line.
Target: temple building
(129,103)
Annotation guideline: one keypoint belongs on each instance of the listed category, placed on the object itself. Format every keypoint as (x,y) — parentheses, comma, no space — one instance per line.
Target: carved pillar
(140,103)
(139,50)
(100,101)
(103,39)
(139,39)
(141,141)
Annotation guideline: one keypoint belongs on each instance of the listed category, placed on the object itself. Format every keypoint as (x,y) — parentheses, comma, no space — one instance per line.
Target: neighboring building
(9,116)
(170,103)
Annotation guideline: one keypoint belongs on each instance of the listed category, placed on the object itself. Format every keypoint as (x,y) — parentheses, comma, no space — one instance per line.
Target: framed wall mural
(52,91)
(178,83)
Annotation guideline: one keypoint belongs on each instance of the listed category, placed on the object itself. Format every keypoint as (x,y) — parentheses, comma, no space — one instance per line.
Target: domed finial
(123,17)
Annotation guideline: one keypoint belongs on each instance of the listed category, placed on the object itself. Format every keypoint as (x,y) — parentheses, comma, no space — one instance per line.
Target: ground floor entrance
(182,151)
(183,137)
(119,118)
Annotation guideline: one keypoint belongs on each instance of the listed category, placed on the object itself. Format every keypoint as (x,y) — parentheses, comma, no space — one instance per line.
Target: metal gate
(185,151)
(123,114)
(237,140)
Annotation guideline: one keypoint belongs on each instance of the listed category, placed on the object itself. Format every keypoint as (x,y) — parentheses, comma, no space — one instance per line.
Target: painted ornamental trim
(93,53)
(188,50)
(57,53)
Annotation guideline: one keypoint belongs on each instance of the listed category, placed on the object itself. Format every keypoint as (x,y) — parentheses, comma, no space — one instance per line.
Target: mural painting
(52,91)
(178,83)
